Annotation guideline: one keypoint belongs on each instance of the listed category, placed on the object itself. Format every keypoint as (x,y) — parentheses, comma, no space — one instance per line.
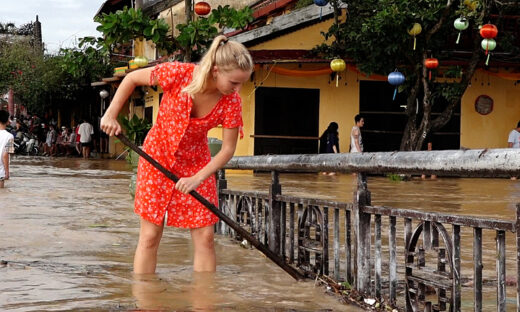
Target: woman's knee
(150,235)
(203,238)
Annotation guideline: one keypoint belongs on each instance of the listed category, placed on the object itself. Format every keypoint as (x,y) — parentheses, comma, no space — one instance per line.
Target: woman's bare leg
(145,259)
(204,259)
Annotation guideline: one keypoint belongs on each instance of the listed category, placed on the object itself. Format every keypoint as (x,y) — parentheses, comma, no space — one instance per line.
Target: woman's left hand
(187,184)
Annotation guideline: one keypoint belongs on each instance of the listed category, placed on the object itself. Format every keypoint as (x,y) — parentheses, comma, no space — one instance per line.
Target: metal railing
(308,233)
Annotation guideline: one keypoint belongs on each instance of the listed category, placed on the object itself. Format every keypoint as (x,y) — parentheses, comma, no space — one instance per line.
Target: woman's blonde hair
(227,55)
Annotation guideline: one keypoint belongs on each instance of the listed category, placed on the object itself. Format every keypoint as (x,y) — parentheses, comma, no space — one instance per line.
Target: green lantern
(460,24)
(488,44)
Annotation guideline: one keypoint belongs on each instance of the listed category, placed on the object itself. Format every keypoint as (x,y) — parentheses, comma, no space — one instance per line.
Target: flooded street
(68,234)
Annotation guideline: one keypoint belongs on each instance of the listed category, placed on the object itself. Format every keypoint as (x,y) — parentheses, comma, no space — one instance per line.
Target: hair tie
(223,42)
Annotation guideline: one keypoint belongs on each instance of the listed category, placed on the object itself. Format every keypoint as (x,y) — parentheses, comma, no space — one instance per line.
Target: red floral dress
(180,144)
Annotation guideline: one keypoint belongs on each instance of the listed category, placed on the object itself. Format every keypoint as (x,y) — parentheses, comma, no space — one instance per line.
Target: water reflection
(153,292)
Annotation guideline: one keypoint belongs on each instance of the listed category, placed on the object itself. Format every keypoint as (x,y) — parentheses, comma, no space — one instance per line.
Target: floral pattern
(180,144)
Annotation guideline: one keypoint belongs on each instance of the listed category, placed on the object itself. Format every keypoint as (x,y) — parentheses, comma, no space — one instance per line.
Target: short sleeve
(166,74)
(233,114)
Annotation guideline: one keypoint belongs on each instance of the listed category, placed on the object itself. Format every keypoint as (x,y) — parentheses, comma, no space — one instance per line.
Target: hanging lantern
(337,65)
(460,24)
(488,45)
(202,8)
(431,63)
(488,32)
(414,31)
(395,78)
(321,3)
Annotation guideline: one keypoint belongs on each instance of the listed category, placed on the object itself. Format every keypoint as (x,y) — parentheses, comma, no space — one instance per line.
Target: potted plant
(136,130)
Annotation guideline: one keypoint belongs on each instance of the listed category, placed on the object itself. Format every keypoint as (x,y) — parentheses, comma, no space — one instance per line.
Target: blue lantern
(395,78)
(321,3)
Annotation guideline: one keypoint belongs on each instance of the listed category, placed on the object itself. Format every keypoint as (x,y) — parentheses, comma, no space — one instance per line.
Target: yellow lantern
(414,31)
(337,65)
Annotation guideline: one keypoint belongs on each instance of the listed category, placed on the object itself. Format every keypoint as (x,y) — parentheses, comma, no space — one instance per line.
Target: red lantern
(431,63)
(488,31)
(202,8)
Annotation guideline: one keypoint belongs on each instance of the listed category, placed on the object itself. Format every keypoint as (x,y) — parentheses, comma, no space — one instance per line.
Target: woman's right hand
(110,125)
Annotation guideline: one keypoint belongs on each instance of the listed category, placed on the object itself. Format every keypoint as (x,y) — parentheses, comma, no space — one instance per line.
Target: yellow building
(291,99)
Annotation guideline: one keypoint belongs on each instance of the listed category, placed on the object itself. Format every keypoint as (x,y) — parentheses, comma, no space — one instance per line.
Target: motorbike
(26,144)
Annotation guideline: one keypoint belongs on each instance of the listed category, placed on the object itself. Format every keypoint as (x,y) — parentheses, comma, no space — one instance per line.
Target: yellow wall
(489,131)
(336,104)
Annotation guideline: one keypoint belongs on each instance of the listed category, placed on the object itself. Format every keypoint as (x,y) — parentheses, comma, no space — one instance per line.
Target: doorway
(385,119)
(286,121)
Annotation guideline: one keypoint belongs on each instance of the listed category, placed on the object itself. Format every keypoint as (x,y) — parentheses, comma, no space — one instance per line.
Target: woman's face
(231,81)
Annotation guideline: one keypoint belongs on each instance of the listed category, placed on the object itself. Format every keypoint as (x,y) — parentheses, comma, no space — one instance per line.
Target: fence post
(275,213)
(221,185)
(517,228)
(363,235)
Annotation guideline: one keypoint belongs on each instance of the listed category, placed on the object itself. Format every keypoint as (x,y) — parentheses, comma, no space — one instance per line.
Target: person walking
(6,147)
(197,97)
(356,142)
(85,132)
(329,142)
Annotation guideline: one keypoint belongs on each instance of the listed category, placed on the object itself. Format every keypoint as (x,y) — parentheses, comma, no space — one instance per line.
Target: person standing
(329,142)
(513,141)
(85,132)
(6,147)
(197,98)
(356,142)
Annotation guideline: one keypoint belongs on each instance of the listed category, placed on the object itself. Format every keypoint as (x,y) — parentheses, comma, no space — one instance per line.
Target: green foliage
(135,128)
(26,29)
(24,69)
(130,24)
(198,34)
(85,62)
(225,16)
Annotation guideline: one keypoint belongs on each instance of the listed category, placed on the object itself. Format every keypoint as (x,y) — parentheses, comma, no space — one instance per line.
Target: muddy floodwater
(68,233)
(67,238)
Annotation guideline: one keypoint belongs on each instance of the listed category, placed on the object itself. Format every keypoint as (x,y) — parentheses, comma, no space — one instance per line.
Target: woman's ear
(214,71)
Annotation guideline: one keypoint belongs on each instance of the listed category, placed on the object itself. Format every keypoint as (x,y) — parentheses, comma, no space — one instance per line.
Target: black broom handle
(250,238)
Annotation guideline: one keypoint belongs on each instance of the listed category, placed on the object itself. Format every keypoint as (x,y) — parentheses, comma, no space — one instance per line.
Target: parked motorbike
(26,144)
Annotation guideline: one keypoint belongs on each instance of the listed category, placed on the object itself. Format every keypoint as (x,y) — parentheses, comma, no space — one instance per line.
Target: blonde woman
(197,97)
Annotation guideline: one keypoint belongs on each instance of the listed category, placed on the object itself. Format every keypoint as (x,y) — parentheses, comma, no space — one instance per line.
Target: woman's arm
(229,143)
(136,78)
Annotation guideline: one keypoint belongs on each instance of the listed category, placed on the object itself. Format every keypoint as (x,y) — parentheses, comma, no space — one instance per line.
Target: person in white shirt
(513,141)
(6,147)
(514,137)
(356,142)
(85,132)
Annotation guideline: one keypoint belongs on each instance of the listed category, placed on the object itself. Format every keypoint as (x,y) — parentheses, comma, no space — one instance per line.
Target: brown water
(486,198)
(68,233)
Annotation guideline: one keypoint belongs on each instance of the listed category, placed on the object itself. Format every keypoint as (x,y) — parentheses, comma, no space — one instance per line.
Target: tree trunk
(413,136)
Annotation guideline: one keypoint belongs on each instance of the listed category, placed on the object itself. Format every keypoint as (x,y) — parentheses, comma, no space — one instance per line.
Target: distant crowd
(50,140)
